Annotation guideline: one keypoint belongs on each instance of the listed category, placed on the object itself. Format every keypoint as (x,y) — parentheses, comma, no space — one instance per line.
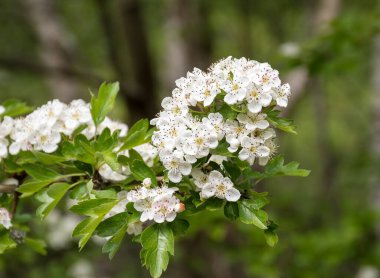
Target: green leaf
(48,159)
(271,237)
(141,171)
(276,168)
(36,244)
(50,198)
(249,214)
(232,169)
(214,203)
(85,229)
(103,103)
(136,135)
(6,242)
(280,123)
(94,207)
(30,187)
(113,244)
(231,210)
(158,243)
(14,108)
(111,225)
(179,226)
(227,112)
(40,172)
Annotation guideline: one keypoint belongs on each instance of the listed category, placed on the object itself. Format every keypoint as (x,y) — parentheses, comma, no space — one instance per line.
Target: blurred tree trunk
(126,33)
(144,103)
(55,47)
(188,37)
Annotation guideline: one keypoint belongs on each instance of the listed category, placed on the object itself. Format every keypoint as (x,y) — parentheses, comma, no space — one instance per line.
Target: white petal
(175,176)
(265,99)
(232,195)
(254,107)
(208,191)
(185,168)
(263,124)
(281,101)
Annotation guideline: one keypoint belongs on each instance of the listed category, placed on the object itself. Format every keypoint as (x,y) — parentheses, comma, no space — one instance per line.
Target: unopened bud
(180,207)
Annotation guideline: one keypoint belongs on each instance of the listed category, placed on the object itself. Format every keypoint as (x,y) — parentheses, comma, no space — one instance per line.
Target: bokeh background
(329,52)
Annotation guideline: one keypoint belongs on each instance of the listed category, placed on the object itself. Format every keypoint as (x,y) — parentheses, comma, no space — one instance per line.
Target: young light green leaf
(249,214)
(271,237)
(136,135)
(280,122)
(14,108)
(103,103)
(94,207)
(158,243)
(141,171)
(50,198)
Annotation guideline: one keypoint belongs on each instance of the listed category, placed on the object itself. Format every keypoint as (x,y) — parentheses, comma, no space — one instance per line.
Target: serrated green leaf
(50,198)
(113,244)
(141,171)
(158,243)
(136,135)
(94,207)
(248,214)
(103,103)
(40,172)
(111,225)
(280,122)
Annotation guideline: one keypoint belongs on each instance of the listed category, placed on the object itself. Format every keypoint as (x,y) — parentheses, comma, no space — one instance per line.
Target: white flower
(256,98)
(46,140)
(253,121)
(198,142)
(3,147)
(2,109)
(235,132)
(6,126)
(148,153)
(164,208)
(283,95)
(5,218)
(215,121)
(175,164)
(236,92)
(199,177)
(220,187)
(266,77)
(252,149)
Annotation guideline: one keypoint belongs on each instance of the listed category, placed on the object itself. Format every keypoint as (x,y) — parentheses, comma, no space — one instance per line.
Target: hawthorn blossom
(251,148)
(175,164)
(257,99)
(220,187)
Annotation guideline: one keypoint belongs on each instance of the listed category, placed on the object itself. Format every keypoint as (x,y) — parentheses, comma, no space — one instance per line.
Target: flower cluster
(155,203)
(41,130)
(226,104)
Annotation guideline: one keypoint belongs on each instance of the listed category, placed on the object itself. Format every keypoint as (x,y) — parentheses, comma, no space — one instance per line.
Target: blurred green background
(329,52)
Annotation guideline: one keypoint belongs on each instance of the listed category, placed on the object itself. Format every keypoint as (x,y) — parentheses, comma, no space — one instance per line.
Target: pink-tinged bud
(180,207)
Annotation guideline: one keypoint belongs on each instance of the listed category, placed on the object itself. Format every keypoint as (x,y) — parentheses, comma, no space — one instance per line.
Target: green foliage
(157,245)
(137,135)
(14,108)
(103,103)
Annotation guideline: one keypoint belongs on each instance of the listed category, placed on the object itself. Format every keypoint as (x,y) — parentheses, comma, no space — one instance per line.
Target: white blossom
(220,187)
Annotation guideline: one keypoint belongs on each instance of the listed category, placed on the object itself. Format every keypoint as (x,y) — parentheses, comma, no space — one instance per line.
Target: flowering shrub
(213,140)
